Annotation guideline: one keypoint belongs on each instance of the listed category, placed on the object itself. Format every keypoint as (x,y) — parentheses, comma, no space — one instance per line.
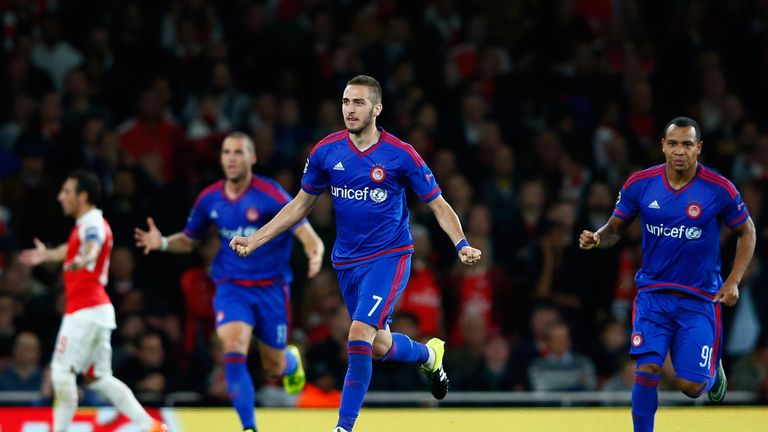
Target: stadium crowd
(531,115)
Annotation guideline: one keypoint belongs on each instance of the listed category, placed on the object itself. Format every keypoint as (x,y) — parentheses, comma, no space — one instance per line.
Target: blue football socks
(405,349)
(240,387)
(645,400)
(356,382)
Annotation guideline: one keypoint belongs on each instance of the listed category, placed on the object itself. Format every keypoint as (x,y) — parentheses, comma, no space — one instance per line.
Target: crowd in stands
(531,115)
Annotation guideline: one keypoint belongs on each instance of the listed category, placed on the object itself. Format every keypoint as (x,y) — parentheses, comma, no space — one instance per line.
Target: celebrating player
(83,345)
(366,170)
(681,205)
(253,293)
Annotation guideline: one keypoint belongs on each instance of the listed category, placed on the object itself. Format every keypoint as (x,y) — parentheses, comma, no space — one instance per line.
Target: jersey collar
(370,149)
(685,186)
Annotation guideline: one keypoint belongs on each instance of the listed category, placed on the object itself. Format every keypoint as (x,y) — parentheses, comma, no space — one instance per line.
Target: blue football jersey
(368,190)
(242,217)
(681,228)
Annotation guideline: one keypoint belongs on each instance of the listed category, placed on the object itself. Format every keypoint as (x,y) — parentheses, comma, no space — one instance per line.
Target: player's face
(681,147)
(237,159)
(358,110)
(70,204)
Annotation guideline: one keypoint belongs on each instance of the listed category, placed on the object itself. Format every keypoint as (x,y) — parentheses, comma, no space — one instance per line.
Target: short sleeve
(420,177)
(626,204)
(198,220)
(92,233)
(315,180)
(734,212)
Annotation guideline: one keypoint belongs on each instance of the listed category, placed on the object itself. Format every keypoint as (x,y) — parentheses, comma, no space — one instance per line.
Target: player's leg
(63,373)
(271,312)
(652,328)
(696,348)
(234,327)
(389,278)
(99,378)
(359,350)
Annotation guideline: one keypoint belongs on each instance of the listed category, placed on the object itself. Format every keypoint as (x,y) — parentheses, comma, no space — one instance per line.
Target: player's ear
(377,109)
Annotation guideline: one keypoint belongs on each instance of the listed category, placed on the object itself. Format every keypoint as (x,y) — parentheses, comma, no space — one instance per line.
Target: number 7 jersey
(681,228)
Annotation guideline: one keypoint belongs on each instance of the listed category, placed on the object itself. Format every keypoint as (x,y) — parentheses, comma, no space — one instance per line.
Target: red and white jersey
(85,286)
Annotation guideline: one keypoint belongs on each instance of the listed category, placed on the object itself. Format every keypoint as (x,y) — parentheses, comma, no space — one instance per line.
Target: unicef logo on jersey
(693,233)
(690,233)
(378,195)
(239,231)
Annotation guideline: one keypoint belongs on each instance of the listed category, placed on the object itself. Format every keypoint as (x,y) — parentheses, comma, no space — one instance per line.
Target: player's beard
(364,123)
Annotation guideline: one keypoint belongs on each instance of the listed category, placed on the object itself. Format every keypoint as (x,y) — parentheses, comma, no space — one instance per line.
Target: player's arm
(152,239)
(745,248)
(40,254)
(450,223)
(88,256)
(297,209)
(605,237)
(313,247)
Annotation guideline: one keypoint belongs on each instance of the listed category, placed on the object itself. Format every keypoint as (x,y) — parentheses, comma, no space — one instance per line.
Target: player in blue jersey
(251,294)
(681,205)
(366,170)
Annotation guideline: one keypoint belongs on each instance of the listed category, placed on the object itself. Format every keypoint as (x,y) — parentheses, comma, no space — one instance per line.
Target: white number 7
(378,300)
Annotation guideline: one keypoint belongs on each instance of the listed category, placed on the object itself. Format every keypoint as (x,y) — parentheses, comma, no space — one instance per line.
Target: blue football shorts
(371,290)
(687,327)
(266,308)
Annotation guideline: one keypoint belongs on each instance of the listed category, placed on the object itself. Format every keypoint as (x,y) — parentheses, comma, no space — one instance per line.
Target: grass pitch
(688,419)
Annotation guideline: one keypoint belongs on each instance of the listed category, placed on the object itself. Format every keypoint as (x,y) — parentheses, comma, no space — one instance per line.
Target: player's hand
(148,240)
(728,294)
(33,257)
(241,245)
(588,240)
(469,255)
(315,257)
(76,264)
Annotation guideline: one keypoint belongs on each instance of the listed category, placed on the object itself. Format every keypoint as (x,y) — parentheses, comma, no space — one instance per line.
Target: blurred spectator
(151,138)
(495,372)
(610,349)
(332,350)
(464,358)
(560,369)
(422,296)
(54,55)
(623,379)
(23,373)
(534,345)
(149,373)
(8,313)
(750,373)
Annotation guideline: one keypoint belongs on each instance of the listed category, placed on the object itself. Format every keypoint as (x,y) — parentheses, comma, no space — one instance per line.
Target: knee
(360,331)
(380,348)
(690,388)
(232,343)
(651,368)
(64,382)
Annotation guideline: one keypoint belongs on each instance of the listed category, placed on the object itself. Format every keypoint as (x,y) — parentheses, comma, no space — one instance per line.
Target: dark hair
(369,82)
(684,122)
(87,182)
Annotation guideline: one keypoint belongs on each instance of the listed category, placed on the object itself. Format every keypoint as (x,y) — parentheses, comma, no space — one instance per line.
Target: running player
(681,205)
(366,170)
(253,293)
(83,345)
